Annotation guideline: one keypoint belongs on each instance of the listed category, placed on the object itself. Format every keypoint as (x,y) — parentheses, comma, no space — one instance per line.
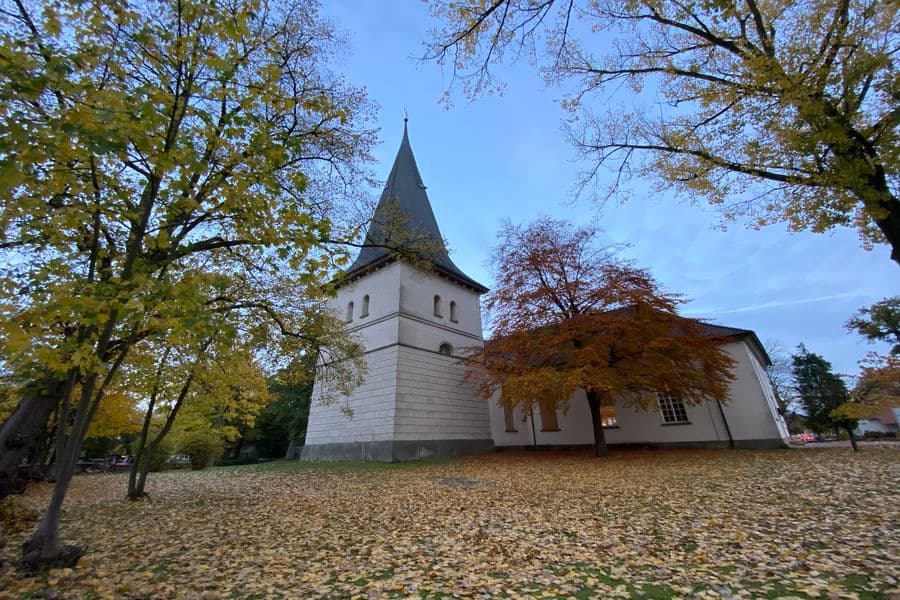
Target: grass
(643,524)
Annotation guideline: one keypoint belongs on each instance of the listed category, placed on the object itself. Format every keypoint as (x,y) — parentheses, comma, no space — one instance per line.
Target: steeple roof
(403,218)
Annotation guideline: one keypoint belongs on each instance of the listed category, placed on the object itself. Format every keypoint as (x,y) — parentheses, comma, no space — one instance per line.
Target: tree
(166,376)
(820,392)
(877,389)
(282,424)
(202,446)
(878,385)
(567,314)
(230,391)
(879,323)
(781,376)
(138,140)
(211,377)
(118,414)
(775,111)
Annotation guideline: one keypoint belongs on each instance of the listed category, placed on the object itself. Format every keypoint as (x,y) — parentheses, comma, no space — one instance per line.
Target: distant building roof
(403,219)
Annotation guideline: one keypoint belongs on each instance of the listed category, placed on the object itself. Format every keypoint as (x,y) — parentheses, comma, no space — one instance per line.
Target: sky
(505,157)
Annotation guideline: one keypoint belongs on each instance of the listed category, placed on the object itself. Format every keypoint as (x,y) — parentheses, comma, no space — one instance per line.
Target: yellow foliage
(774,111)
(117,414)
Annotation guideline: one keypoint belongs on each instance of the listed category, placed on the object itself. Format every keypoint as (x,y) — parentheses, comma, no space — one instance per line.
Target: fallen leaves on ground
(647,524)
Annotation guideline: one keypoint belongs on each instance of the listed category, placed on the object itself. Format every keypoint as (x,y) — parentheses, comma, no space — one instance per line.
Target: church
(414,402)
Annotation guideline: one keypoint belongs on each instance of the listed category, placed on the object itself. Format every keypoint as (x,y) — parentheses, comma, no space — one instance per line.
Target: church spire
(404,217)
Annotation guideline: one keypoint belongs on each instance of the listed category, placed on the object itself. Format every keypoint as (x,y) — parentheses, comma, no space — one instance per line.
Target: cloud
(776,304)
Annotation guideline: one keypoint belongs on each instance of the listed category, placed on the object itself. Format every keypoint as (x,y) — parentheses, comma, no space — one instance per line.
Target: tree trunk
(887,207)
(136,489)
(137,479)
(43,549)
(292,450)
(62,421)
(852,439)
(145,470)
(236,454)
(23,426)
(141,456)
(600,448)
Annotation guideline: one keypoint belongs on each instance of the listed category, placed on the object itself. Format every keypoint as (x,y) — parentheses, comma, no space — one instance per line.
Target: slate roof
(737,334)
(734,333)
(721,331)
(404,217)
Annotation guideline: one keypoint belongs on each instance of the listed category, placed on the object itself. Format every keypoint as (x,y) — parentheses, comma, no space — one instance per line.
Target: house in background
(415,403)
(885,423)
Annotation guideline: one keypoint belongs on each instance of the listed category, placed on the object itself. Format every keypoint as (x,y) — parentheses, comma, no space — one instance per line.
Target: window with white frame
(349,312)
(453,318)
(672,408)
(365,306)
(438,311)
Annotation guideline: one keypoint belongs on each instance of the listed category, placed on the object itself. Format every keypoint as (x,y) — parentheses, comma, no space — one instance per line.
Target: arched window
(510,418)
(349,312)
(549,420)
(365,307)
(446,349)
(438,312)
(453,318)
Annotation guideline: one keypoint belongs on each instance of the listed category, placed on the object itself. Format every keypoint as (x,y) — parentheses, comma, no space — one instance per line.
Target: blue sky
(504,157)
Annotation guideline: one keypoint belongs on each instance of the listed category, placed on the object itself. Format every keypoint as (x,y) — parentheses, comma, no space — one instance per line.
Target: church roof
(738,334)
(403,219)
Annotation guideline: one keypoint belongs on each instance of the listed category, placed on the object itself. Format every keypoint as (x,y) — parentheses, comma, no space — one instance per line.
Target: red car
(119,462)
(806,437)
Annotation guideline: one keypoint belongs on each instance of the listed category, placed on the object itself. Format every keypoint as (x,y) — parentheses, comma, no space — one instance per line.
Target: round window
(446,349)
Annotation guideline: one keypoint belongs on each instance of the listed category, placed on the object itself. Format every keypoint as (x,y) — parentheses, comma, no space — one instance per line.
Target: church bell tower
(414,317)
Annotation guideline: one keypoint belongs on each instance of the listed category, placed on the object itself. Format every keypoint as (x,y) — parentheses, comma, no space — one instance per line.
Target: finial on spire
(405,117)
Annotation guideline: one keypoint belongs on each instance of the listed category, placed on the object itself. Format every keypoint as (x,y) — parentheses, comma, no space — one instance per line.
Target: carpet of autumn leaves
(647,524)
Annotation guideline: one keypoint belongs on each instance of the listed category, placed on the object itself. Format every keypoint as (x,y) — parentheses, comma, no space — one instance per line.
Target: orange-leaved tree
(568,313)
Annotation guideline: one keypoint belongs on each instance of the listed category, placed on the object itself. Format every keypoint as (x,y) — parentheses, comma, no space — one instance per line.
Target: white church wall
(379,327)
(372,403)
(636,426)
(417,292)
(433,401)
(756,419)
(411,392)
(749,416)
(372,406)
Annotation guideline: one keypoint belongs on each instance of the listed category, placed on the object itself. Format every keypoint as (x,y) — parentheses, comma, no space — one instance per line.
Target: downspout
(533,434)
(724,420)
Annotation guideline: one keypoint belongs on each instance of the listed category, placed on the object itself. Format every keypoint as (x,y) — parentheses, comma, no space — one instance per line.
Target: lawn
(646,524)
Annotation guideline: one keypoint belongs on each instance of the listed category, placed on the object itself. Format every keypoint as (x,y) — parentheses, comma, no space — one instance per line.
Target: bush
(879,435)
(159,460)
(203,447)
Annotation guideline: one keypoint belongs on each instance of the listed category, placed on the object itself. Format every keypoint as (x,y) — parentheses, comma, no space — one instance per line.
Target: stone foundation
(394,451)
